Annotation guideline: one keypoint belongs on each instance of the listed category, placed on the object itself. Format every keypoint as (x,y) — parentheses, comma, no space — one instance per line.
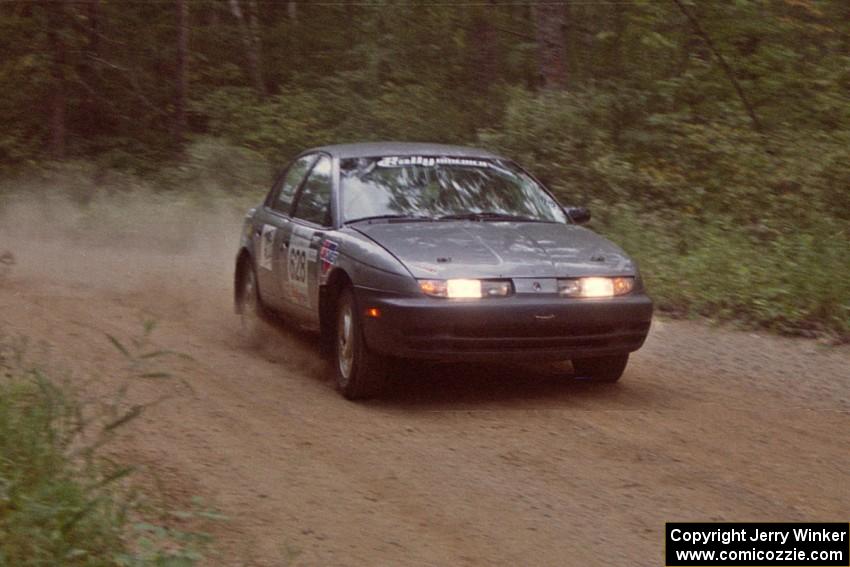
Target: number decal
(297,261)
(298,265)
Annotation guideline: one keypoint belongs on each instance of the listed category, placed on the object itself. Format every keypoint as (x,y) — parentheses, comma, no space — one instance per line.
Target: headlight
(466,289)
(595,287)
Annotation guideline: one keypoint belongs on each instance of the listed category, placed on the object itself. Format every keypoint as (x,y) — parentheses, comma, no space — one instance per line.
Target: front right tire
(360,373)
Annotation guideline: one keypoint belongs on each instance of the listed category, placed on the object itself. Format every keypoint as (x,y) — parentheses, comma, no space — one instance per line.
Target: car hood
(472,249)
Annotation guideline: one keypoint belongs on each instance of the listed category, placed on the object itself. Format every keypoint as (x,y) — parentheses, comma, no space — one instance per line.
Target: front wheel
(250,309)
(601,368)
(360,373)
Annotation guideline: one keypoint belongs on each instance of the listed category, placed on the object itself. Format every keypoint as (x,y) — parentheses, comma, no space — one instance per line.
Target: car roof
(380,149)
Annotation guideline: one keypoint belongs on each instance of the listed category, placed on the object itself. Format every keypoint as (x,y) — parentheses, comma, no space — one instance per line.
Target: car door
(311,219)
(272,230)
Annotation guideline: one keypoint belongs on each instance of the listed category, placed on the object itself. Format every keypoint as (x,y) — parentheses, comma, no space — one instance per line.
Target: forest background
(710,139)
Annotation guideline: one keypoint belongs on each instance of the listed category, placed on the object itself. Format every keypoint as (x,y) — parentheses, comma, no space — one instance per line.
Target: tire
(601,368)
(360,373)
(251,310)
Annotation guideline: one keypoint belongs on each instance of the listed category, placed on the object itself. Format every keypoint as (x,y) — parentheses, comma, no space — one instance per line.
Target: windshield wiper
(486,216)
(390,217)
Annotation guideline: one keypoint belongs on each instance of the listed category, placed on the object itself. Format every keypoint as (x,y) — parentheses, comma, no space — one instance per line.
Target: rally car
(426,251)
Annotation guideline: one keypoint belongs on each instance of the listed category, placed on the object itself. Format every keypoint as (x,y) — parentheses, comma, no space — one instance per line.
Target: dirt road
(455,465)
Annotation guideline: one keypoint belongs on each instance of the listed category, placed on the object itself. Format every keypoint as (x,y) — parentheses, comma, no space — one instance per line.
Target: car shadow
(429,386)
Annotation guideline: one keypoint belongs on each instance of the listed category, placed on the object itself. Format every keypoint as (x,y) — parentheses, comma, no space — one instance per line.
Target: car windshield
(442,188)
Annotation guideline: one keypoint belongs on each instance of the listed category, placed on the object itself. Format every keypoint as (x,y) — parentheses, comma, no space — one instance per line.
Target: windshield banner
(425,161)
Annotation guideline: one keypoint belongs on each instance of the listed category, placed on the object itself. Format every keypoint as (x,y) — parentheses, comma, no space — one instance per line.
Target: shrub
(60,503)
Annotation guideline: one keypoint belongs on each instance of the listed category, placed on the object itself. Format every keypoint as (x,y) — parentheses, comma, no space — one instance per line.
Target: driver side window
(314,200)
(282,201)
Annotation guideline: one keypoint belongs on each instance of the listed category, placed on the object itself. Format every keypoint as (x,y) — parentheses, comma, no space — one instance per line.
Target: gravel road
(456,465)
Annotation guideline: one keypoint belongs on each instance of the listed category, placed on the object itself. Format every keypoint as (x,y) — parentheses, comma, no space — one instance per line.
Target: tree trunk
(214,17)
(256,45)
(58,101)
(249,29)
(182,80)
(550,26)
(94,26)
(292,11)
(484,54)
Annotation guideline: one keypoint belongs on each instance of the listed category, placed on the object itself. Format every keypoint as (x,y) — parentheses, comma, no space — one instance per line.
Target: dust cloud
(175,253)
(169,258)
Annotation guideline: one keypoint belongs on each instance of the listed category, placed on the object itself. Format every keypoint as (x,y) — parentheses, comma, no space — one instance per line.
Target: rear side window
(314,201)
(282,202)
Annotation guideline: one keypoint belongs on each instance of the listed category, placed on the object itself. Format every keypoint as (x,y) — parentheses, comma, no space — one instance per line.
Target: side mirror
(579,215)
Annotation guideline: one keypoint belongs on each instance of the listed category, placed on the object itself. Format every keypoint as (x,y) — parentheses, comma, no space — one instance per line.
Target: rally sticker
(299,256)
(328,254)
(267,246)
(425,161)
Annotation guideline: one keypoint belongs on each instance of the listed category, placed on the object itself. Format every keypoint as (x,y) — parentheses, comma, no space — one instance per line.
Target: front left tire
(360,372)
(251,310)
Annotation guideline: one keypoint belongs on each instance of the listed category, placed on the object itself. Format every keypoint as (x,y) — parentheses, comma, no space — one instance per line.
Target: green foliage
(797,282)
(60,503)
(215,166)
(282,125)
(47,516)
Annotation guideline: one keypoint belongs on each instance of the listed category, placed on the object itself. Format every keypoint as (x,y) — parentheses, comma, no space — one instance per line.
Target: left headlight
(466,289)
(595,287)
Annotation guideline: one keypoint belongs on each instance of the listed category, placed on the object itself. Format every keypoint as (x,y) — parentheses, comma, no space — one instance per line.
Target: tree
(249,30)
(182,80)
(56,22)
(484,54)
(550,28)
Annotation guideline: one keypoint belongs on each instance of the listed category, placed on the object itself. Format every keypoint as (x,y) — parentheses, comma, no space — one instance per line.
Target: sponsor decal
(328,254)
(426,161)
(267,246)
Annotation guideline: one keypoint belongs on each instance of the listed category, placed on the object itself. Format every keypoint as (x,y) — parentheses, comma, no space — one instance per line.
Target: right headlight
(595,286)
(466,289)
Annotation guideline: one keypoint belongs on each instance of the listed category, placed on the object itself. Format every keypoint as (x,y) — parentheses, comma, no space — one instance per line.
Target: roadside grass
(792,281)
(62,501)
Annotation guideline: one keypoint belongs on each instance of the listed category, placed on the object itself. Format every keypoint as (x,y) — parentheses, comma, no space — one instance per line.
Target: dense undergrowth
(794,283)
(62,500)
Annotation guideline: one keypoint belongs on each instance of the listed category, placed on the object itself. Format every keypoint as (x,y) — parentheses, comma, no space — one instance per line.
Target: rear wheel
(601,368)
(250,308)
(360,373)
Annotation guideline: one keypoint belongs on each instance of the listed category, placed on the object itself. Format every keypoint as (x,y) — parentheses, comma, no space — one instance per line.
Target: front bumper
(521,327)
